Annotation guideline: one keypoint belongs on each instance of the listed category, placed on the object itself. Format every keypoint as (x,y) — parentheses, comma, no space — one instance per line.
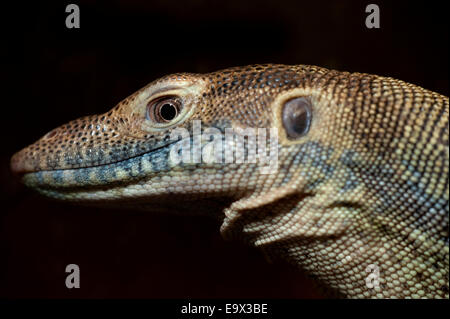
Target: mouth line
(127,171)
(100,165)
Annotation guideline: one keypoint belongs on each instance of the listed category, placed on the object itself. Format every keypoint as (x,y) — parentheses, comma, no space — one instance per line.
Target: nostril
(51,134)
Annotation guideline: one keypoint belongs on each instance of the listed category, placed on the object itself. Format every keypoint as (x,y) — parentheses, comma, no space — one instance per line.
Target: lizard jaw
(137,180)
(65,182)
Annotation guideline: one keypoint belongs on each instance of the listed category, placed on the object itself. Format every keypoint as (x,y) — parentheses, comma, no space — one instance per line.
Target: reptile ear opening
(296,117)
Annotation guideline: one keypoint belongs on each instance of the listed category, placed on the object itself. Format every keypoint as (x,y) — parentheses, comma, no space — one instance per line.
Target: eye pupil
(163,110)
(297,117)
(168,111)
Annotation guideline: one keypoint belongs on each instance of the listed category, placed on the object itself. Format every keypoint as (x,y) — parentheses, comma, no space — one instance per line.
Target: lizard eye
(163,110)
(297,117)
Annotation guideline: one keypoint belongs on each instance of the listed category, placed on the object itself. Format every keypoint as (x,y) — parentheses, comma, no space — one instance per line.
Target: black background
(51,74)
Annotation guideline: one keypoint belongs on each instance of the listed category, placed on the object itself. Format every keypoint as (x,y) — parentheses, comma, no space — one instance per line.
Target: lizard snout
(19,165)
(31,158)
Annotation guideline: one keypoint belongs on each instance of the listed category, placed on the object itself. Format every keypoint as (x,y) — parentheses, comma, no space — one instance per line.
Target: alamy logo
(373,19)
(373,280)
(237,145)
(73,279)
(73,19)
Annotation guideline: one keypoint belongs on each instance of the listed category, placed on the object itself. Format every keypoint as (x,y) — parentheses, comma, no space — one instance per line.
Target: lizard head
(352,170)
(125,154)
(169,139)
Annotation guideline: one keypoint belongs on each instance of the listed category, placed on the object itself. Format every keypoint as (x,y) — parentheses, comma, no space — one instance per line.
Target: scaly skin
(363,195)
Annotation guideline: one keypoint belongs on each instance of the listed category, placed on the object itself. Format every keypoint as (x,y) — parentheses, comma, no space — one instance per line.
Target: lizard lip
(21,165)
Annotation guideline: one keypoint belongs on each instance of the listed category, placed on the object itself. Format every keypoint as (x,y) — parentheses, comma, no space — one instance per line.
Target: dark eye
(296,117)
(163,110)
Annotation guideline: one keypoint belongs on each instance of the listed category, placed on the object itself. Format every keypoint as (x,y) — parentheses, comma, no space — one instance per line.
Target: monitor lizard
(358,197)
